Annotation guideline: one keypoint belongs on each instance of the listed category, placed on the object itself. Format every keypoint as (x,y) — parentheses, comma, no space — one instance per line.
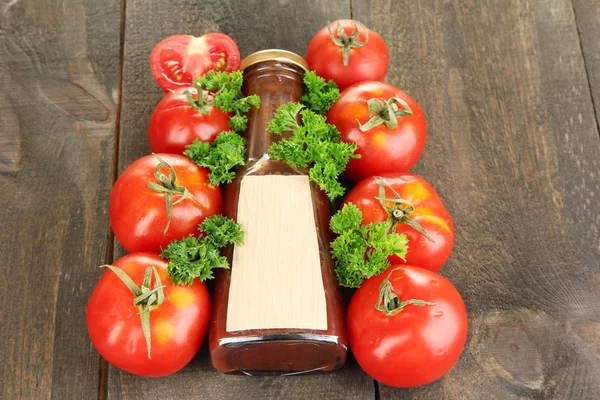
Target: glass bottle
(281,295)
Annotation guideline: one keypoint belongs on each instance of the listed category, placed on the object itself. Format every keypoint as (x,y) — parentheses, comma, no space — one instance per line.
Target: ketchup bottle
(278,310)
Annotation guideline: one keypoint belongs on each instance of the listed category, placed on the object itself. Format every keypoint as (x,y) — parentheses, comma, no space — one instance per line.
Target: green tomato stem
(385,112)
(168,186)
(146,299)
(389,303)
(398,214)
(347,42)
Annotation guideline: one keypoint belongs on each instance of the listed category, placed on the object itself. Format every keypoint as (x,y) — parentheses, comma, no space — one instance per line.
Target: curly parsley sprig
(361,252)
(225,88)
(220,157)
(192,257)
(320,95)
(314,144)
(221,90)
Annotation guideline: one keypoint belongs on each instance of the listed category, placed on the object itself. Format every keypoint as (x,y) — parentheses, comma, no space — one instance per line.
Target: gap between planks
(109,257)
(585,66)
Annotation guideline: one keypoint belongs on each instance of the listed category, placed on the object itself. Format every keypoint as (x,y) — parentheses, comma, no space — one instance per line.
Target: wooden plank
(254,25)
(58,83)
(587,16)
(513,150)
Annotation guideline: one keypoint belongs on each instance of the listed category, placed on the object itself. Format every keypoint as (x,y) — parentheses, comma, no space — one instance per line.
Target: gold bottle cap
(274,55)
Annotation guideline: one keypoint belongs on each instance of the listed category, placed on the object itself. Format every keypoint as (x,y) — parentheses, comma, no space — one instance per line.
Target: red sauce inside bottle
(276,77)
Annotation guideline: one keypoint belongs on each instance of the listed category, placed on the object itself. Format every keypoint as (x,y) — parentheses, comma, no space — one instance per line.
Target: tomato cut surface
(178,60)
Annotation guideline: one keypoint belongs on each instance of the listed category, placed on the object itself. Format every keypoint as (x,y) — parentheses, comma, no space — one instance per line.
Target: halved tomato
(178,60)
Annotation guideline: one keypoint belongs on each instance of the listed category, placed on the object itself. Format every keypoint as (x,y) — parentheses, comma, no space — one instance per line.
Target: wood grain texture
(287,269)
(254,25)
(58,77)
(587,16)
(513,150)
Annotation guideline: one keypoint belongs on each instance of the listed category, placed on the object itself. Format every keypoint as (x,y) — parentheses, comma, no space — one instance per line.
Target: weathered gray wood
(587,16)
(254,25)
(59,65)
(513,150)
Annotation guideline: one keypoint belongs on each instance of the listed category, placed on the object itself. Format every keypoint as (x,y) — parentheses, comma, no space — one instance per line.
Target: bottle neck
(276,83)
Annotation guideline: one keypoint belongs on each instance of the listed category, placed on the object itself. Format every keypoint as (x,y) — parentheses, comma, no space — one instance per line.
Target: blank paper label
(276,279)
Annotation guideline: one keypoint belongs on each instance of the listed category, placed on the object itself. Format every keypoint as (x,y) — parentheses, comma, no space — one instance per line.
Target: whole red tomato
(139,202)
(175,123)
(178,324)
(407,326)
(387,125)
(178,60)
(343,53)
(424,207)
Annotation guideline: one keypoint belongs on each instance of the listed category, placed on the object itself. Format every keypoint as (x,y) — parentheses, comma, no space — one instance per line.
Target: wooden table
(511,90)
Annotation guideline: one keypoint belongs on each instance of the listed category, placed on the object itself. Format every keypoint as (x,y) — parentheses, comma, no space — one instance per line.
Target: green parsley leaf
(286,118)
(315,144)
(215,81)
(220,231)
(361,252)
(226,87)
(238,122)
(192,257)
(320,96)
(221,157)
